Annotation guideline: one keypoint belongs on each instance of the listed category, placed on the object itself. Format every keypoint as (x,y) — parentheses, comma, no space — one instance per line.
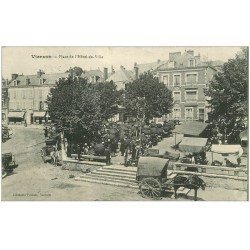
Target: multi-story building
(187,77)
(5,100)
(28,95)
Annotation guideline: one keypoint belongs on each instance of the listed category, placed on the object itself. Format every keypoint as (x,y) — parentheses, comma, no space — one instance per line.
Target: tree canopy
(77,71)
(146,97)
(228,93)
(77,108)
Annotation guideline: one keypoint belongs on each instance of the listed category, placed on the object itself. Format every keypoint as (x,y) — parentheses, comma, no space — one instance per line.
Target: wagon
(154,179)
(8,164)
(45,151)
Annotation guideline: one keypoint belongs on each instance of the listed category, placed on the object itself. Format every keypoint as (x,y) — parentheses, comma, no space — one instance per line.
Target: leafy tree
(146,97)
(79,108)
(110,98)
(228,93)
(76,71)
(74,105)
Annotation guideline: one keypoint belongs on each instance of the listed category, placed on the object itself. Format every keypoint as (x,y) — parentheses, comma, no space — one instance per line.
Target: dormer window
(192,63)
(40,81)
(15,82)
(171,64)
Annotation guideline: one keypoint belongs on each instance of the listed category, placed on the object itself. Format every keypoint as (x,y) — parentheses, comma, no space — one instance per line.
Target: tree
(76,71)
(110,98)
(228,93)
(73,105)
(146,97)
(78,108)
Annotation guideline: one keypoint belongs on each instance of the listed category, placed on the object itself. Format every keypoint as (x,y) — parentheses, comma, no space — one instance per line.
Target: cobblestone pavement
(35,180)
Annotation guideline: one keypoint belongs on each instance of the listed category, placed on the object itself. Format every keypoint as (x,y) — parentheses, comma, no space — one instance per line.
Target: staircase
(112,175)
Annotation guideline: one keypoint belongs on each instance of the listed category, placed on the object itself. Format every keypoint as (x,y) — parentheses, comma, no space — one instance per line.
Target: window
(189,114)
(192,63)
(165,79)
(191,95)
(14,94)
(40,105)
(40,93)
(177,95)
(15,82)
(40,80)
(191,78)
(201,114)
(176,113)
(177,80)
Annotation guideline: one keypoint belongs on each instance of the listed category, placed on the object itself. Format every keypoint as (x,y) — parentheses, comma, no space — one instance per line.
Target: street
(35,180)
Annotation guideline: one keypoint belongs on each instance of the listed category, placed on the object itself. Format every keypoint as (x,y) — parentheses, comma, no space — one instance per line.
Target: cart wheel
(151,188)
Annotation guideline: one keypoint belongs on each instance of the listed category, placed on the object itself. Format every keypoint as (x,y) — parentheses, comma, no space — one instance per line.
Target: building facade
(187,77)
(5,101)
(28,97)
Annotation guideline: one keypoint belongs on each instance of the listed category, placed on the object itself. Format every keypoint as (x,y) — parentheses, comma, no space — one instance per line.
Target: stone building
(28,95)
(5,101)
(187,76)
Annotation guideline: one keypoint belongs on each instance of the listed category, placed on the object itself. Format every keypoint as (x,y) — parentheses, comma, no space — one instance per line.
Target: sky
(25,60)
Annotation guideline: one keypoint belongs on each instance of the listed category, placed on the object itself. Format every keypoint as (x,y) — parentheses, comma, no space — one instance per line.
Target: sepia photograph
(125,123)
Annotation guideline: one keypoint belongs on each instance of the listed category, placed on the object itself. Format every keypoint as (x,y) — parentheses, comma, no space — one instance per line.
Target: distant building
(5,100)
(94,76)
(28,95)
(187,77)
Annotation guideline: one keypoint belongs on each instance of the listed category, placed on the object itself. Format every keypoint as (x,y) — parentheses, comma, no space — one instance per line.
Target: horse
(191,182)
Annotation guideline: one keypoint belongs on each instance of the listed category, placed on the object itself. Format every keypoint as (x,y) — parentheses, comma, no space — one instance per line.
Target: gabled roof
(192,128)
(94,72)
(149,66)
(48,79)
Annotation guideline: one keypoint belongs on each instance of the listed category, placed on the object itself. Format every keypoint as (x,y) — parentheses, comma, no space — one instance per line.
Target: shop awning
(192,144)
(191,128)
(16,114)
(227,149)
(244,135)
(39,114)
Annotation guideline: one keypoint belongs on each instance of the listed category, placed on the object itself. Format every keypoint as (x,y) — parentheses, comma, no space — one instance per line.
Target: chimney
(190,52)
(39,73)
(112,69)
(136,69)
(173,55)
(14,76)
(27,81)
(158,61)
(198,56)
(105,72)
(135,64)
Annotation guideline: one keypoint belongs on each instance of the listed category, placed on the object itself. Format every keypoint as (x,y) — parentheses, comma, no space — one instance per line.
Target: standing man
(108,155)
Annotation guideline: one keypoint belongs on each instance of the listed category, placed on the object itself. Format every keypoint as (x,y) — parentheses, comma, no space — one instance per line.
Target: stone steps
(112,175)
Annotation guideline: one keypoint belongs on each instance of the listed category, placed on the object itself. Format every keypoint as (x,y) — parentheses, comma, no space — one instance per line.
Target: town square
(172,126)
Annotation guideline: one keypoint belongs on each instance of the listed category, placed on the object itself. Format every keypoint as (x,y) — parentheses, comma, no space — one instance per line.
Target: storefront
(16,117)
(39,117)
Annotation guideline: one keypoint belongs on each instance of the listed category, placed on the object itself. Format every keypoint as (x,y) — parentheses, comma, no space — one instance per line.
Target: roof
(94,72)
(192,128)
(48,79)
(227,149)
(149,66)
(192,144)
(121,77)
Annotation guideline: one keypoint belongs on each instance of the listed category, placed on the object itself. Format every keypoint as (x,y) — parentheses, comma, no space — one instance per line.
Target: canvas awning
(39,114)
(16,114)
(192,144)
(244,135)
(227,149)
(192,128)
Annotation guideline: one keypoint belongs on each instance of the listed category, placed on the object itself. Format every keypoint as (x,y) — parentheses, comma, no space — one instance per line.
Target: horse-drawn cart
(155,179)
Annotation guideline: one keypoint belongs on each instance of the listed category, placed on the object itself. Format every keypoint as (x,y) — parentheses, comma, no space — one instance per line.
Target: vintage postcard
(124,123)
